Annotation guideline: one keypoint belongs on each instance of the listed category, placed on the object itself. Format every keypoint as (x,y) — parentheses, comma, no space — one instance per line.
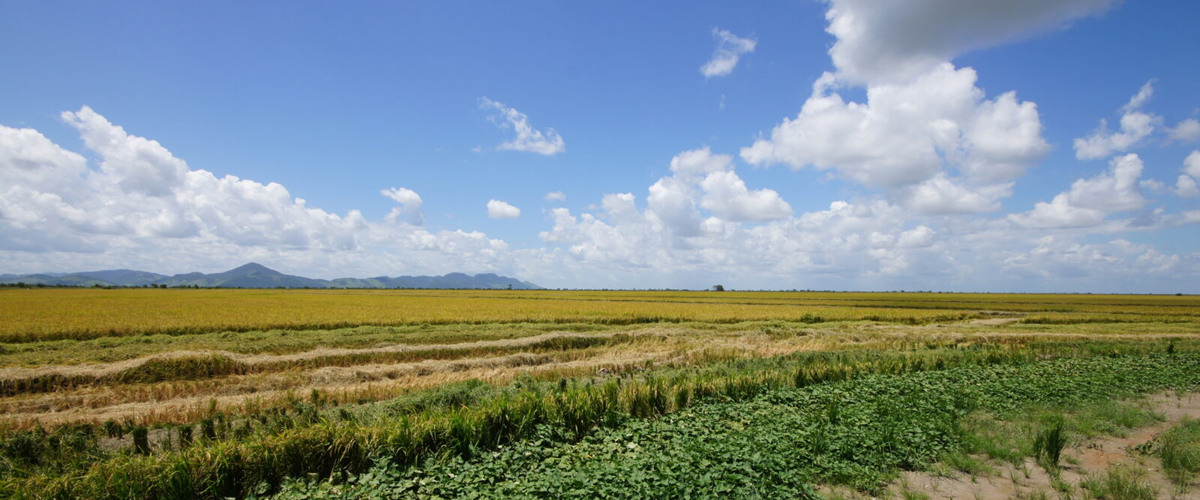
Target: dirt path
(1089,458)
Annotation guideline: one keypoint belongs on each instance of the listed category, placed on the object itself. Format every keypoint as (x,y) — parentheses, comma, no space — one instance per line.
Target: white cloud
(1185,185)
(137,164)
(1135,126)
(1140,98)
(497,209)
(941,195)
(700,224)
(33,161)
(556,196)
(730,49)
(143,208)
(700,162)
(914,140)
(897,40)
(917,237)
(672,201)
(410,205)
(619,206)
(726,196)
(1191,164)
(1186,131)
(547,143)
(1090,201)
(1056,258)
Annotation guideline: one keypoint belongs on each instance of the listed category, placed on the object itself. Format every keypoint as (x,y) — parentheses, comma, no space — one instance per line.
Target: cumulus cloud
(730,49)
(1186,131)
(1090,201)
(556,196)
(703,180)
(410,205)
(137,164)
(547,143)
(1191,164)
(1135,126)
(142,207)
(845,237)
(728,198)
(1186,185)
(58,212)
(700,162)
(941,195)
(935,143)
(497,209)
(897,40)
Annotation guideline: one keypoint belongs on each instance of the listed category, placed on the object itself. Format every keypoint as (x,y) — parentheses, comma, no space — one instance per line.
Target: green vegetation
(774,445)
(757,424)
(1119,483)
(1050,443)
(1179,451)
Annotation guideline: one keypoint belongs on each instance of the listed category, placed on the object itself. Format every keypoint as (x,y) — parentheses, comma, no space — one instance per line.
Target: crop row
(338,442)
(164,369)
(781,444)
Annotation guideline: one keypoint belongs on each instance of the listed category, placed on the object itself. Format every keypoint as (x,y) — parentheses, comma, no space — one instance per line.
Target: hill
(254,275)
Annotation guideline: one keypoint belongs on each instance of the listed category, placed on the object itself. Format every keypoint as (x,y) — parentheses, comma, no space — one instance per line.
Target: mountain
(124,277)
(251,275)
(54,279)
(255,275)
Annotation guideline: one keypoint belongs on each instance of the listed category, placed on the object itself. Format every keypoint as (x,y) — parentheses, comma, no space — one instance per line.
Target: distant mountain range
(258,276)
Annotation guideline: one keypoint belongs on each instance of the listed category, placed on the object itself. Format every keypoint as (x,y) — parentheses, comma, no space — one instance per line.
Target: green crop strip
(776,445)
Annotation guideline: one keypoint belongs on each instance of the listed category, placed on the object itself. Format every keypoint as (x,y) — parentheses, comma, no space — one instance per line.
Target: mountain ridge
(255,275)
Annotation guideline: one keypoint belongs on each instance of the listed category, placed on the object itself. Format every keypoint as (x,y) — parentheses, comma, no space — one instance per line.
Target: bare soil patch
(1087,459)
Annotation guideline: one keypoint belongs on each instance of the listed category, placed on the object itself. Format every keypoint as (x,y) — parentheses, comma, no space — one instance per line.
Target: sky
(948,145)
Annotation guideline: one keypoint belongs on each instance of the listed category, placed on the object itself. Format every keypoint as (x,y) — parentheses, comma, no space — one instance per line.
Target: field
(193,393)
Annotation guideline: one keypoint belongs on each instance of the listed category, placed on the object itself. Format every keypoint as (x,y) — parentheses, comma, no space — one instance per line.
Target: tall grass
(1050,443)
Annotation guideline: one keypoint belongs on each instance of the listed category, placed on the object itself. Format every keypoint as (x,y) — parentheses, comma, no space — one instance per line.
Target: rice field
(201,393)
(49,314)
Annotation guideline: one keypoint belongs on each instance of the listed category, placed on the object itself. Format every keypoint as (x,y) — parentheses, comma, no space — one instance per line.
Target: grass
(1044,432)
(1119,483)
(1178,449)
(1050,443)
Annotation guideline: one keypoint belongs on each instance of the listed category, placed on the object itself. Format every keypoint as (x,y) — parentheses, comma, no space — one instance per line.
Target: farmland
(175,393)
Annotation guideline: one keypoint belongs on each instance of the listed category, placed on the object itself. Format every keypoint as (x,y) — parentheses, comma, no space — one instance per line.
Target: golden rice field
(45,314)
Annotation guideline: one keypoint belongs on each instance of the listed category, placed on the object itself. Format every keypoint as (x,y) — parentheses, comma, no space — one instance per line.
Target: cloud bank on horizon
(939,154)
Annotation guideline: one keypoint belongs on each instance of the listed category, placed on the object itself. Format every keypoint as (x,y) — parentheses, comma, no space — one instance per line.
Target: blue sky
(336,103)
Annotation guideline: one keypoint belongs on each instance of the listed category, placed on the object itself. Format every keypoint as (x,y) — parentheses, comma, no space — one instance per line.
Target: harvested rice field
(203,393)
